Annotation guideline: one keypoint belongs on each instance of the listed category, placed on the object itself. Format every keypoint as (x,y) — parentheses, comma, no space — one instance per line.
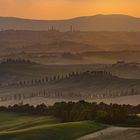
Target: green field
(24,127)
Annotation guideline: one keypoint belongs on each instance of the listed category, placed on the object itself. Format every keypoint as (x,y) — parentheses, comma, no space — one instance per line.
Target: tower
(71,28)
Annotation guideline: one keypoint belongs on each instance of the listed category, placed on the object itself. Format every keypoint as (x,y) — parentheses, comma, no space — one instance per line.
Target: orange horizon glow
(65,9)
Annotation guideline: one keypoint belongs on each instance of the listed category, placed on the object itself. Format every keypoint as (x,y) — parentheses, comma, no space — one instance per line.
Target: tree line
(16,61)
(60,93)
(68,76)
(80,111)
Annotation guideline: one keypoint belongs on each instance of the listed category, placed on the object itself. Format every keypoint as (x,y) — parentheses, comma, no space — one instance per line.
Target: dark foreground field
(23,127)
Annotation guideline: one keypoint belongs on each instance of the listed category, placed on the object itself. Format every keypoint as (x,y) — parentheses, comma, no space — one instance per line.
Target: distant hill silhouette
(87,23)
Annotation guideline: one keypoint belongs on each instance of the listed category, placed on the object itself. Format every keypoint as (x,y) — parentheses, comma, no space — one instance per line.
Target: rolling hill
(88,23)
(70,47)
(22,81)
(83,85)
(25,127)
(13,72)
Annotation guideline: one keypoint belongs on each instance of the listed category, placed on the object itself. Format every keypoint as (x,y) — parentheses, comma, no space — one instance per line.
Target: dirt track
(114,133)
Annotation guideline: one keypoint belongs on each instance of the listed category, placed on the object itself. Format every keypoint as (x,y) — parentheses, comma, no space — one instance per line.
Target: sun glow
(62,9)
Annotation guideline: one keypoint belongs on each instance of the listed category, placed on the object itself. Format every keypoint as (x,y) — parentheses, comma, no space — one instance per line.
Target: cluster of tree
(16,61)
(79,111)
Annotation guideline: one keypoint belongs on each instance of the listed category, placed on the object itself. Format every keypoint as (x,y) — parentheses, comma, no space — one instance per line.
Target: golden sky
(63,9)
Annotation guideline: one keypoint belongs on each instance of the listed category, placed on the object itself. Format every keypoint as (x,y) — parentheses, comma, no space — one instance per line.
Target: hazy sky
(62,9)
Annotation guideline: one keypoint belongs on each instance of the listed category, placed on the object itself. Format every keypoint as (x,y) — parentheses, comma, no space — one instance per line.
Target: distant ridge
(115,22)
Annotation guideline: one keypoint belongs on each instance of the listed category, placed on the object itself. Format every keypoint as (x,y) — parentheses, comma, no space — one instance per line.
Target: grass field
(24,127)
